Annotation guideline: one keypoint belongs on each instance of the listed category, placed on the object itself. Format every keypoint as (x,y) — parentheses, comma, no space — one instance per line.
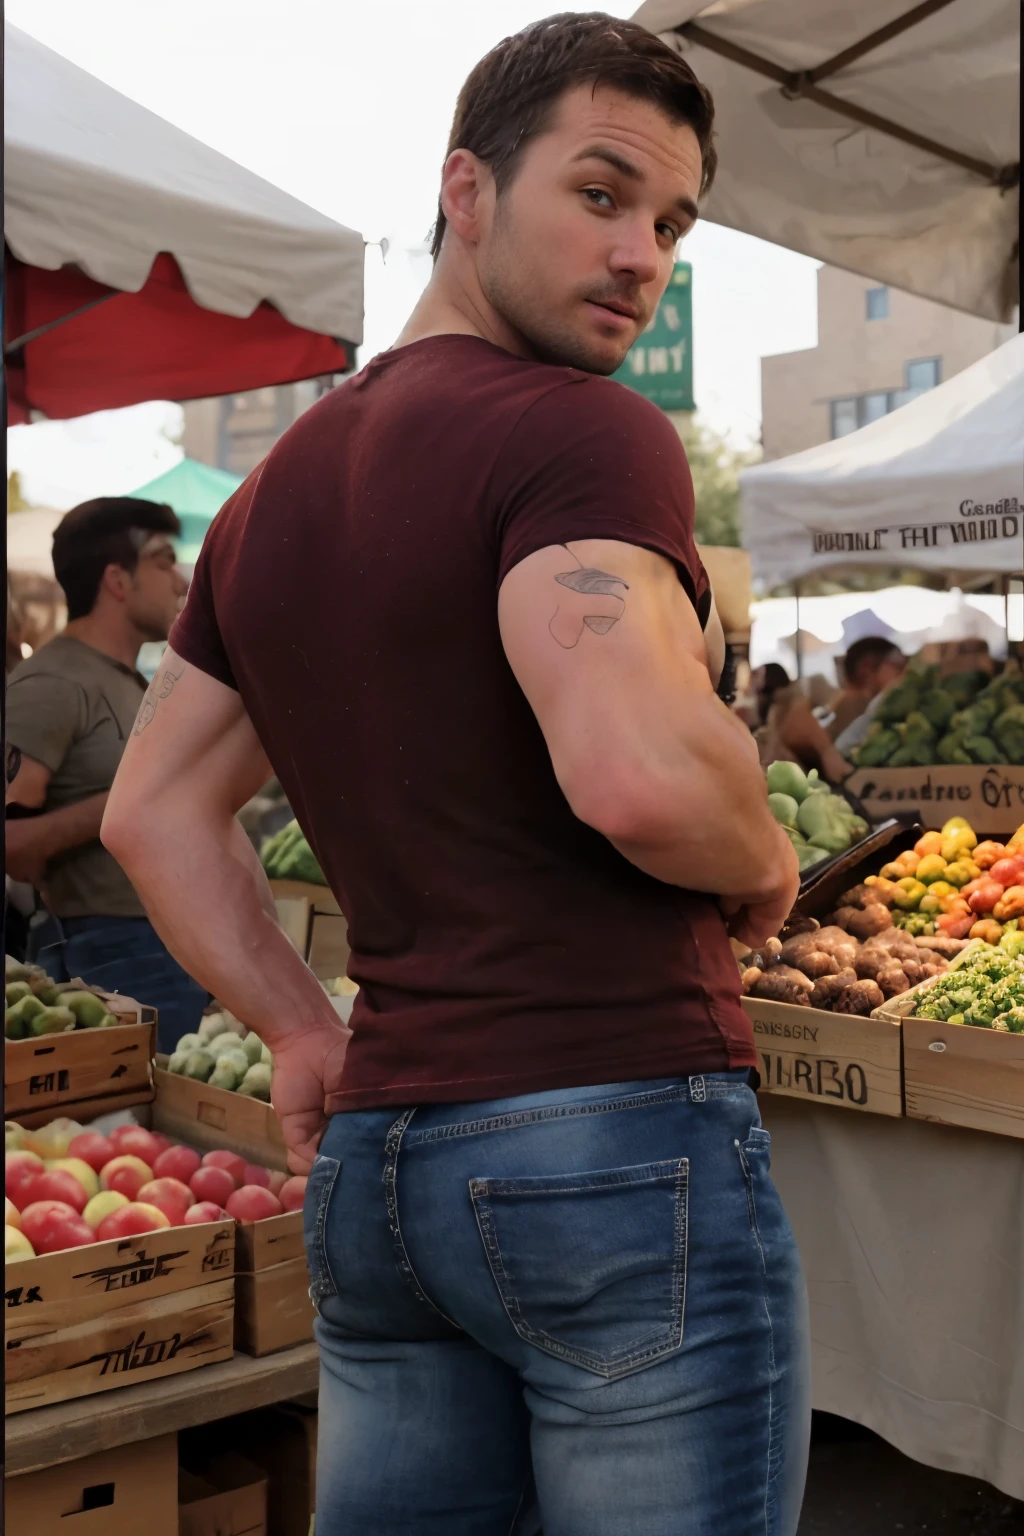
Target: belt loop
(698,1090)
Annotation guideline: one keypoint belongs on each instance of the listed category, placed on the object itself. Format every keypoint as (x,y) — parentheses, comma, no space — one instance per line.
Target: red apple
(277,1181)
(92,1148)
(255,1174)
(177,1163)
(163,1142)
(214,1184)
(126,1174)
(205,1210)
(20,1169)
(253,1203)
(56,1184)
(234,1164)
(170,1196)
(50,1225)
(130,1221)
(136,1141)
(293,1193)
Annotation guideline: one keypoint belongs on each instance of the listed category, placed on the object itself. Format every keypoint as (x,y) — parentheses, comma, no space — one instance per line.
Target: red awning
(72,345)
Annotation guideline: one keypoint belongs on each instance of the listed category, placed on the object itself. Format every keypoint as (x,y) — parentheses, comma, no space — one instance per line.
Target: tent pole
(799,641)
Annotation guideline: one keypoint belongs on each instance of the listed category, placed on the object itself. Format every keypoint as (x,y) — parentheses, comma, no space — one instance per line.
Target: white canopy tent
(94,179)
(880,137)
(937,485)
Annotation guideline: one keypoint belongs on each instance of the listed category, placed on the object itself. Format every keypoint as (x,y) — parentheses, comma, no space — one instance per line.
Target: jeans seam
(324,1287)
(637,1357)
(770,1471)
(392,1147)
(514,1119)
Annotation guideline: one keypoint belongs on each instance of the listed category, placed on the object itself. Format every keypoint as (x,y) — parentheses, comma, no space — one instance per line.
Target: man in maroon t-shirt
(458,611)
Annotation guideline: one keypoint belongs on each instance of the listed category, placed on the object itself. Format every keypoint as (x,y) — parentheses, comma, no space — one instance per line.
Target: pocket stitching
(323,1284)
(640,1351)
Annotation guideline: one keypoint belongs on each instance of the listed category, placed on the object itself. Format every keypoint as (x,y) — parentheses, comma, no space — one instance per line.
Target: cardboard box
(50,1070)
(313,920)
(991,799)
(223,1496)
(827,1058)
(272,1305)
(283,1441)
(959,1074)
(128,1491)
(89,1319)
(207,1118)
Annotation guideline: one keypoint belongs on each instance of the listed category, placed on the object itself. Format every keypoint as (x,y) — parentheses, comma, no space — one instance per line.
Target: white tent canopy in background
(937,485)
(910,617)
(129,185)
(939,221)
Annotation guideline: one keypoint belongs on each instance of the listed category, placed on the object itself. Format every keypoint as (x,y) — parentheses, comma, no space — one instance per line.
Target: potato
(828,988)
(862,997)
(749,977)
(772,950)
(873,919)
(818,962)
(837,943)
(782,984)
(861,896)
(796,924)
(893,979)
(794,950)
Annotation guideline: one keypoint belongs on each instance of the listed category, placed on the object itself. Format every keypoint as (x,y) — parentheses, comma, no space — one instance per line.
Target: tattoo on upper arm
(161,687)
(596,604)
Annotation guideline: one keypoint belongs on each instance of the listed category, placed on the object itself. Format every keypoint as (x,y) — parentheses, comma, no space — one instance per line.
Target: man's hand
(306,1069)
(754,921)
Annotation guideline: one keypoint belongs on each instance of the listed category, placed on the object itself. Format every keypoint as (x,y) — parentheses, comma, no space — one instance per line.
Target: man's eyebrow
(630,171)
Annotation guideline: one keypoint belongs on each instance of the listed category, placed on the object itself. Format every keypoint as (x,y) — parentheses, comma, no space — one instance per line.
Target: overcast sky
(347,105)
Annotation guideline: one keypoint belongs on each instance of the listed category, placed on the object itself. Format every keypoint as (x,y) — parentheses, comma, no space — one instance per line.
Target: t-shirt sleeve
(44,715)
(592,459)
(196,636)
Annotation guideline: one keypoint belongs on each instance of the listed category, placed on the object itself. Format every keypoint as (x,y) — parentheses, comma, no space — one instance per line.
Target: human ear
(467,188)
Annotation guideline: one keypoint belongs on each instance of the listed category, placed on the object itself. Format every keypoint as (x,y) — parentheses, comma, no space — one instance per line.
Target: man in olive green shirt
(70,710)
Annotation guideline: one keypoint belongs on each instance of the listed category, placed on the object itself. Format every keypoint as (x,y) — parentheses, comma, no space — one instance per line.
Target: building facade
(877,348)
(234,432)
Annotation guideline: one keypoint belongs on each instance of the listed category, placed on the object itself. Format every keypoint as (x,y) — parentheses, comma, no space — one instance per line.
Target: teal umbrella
(196,492)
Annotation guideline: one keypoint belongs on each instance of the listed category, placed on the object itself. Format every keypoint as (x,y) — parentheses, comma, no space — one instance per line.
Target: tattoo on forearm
(161,687)
(596,604)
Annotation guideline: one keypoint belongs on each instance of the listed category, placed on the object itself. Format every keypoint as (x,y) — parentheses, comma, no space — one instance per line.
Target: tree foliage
(715,465)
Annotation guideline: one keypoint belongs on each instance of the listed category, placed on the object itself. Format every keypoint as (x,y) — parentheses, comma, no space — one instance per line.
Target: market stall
(880,137)
(140,264)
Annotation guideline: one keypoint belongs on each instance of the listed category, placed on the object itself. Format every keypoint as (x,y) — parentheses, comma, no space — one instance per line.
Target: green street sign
(660,364)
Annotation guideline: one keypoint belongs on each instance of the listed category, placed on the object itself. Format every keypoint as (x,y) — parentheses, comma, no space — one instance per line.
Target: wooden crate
(272,1305)
(207,1118)
(50,1070)
(313,920)
(959,1074)
(88,1319)
(140,1488)
(991,799)
(829,1058)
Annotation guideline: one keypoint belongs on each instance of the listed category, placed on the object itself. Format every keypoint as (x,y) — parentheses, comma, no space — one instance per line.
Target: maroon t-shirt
(349,590)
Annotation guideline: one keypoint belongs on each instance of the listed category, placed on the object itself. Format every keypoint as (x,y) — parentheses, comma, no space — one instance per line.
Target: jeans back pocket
(319,1189)
(591,1267)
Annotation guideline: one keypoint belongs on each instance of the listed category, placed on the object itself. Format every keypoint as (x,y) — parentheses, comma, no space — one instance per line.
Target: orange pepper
(987,854)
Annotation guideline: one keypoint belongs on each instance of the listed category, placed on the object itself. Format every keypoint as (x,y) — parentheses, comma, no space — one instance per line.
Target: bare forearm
(709,827)
(209,900)
(32,841)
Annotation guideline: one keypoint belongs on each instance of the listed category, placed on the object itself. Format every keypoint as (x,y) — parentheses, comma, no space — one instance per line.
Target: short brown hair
(508,98)
(99,533)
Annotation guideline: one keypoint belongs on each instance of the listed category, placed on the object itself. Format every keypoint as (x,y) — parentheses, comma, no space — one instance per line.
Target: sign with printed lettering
(660,364)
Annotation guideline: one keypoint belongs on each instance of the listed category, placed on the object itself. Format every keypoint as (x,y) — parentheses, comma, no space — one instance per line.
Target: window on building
(923,374)
(844,417)
(873,406)
(878,303)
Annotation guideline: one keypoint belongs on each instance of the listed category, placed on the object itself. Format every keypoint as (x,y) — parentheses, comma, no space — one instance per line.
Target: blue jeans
(579,1310)
(122,954)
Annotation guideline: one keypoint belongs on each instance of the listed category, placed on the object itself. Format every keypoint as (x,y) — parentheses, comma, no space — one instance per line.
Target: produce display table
(912,1240)
(42,1437)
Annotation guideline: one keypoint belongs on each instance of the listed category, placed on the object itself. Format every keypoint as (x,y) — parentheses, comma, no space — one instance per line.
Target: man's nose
(636,252)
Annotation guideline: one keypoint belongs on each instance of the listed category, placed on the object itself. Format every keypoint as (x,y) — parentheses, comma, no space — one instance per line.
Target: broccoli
(976,719)
(899,702)
(938,707)
(952,750)
(878,746)
(1008,731)
(983,749)
(963,686)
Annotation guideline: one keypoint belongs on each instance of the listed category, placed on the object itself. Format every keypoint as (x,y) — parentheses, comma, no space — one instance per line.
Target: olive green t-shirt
(72,709)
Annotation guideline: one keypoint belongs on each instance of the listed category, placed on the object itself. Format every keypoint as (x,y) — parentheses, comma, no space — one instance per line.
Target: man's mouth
(618,307)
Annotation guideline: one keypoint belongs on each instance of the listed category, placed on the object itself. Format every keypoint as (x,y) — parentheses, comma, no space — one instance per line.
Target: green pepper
(908,893)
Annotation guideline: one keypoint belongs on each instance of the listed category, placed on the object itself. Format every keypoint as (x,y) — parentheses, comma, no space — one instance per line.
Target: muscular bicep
(606,646)
(192,742)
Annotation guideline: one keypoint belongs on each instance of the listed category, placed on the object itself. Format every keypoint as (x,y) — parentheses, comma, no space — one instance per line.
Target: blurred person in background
(870,667)
(786,728)
(71,708)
